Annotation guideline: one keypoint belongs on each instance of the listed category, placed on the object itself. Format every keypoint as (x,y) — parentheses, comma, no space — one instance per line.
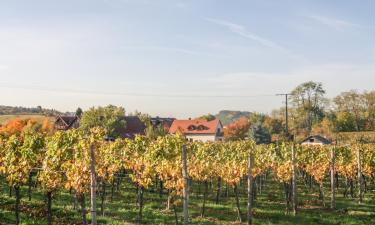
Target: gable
(197,126)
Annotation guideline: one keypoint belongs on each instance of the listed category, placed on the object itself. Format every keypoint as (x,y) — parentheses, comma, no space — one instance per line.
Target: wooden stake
(186,186)
(359,164)
(294,180)
(249,191)
(333,180)
(93,186)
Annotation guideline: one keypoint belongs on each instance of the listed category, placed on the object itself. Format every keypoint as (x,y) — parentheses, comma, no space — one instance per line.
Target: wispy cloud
(334,23)
(242,31)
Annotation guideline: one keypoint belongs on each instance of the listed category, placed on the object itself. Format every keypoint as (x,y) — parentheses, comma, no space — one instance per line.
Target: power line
(134,94)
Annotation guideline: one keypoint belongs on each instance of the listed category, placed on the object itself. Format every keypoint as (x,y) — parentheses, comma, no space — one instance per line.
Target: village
(193,129)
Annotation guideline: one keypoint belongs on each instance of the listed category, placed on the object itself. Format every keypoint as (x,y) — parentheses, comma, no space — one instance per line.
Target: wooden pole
(333,180)
(93,186)
(17,190)
(83,208)
(239,214)
(186,186)
(294,179)
(359,164)
(49,208)
(249,191)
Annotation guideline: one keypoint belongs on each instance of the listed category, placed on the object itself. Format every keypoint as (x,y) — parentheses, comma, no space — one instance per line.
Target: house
(316,140)
(166,123)
(198,129)
(66,122)
(134,126)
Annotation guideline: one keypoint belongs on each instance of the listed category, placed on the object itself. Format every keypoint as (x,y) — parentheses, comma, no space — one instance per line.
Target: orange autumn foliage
(237,130)
(13,127)
(46,126)
(18,126)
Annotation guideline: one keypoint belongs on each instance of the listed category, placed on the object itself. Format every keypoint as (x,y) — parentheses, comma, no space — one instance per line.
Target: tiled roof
(66,122)
(196,126)
(165,122)
(69,119)
(133,127)
(316,139)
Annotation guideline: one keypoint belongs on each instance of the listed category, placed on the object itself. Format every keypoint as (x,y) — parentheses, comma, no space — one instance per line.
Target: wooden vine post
(359,164)
(294,179)
(186,186)
(249,190)
(93,185)
(333,180)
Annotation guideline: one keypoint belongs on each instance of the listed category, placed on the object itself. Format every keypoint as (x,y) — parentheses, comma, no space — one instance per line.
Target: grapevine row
(64,161)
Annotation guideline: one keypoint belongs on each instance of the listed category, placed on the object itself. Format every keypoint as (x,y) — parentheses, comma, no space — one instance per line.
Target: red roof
(197,126)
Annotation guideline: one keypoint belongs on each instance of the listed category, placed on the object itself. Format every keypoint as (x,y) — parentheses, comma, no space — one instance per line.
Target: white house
(198,129)
(316,140)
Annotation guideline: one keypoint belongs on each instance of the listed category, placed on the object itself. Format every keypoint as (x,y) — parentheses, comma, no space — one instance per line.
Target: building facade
(198,129)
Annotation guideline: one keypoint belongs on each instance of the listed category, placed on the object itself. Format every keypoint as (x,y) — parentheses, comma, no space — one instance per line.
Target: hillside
(39,118)
(19,110)
(38,113)
(227,116)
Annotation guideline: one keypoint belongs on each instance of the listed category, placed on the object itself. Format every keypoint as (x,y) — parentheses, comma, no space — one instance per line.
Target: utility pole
(286,114)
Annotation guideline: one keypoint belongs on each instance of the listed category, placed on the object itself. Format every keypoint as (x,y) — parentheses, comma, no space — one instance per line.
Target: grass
(269,208)
(37,117)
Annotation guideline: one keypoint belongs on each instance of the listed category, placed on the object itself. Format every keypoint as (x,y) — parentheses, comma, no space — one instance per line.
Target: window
(191,127)
(201,127)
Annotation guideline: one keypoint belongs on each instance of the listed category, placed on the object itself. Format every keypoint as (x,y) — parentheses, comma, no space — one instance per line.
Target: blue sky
(181,58)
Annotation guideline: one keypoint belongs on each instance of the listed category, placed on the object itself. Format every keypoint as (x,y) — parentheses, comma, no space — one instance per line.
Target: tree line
(310,112)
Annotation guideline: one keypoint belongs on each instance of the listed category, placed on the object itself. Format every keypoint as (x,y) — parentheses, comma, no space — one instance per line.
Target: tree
(152,130)
(274,125)
(208,117)
(369,103)
(110,118)
(308,101)
(350,111)
(18,126)
(325,128)
(257,118)
(260,134)
(237,130)
(79,112)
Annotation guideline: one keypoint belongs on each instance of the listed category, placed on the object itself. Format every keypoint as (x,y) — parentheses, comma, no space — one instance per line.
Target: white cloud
(334,23)
(242,31)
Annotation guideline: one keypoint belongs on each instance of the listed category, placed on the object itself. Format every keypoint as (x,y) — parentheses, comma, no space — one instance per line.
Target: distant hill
(38,118)
(227,116)
(19,110)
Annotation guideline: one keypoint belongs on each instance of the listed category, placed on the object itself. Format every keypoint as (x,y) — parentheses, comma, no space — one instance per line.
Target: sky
(181,58)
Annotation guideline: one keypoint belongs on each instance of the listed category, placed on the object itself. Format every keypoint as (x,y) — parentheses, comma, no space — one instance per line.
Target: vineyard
(192,176)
